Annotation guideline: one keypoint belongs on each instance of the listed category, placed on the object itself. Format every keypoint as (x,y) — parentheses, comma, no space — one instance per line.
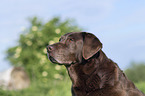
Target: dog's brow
(61,38)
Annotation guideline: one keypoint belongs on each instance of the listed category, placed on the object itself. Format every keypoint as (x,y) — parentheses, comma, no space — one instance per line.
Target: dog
(92,73)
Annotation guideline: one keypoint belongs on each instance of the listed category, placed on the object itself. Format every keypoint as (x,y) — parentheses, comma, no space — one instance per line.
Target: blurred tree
(31,50)
(136,72)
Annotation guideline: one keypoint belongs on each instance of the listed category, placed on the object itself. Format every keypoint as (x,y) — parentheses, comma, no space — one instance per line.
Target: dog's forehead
(72,35)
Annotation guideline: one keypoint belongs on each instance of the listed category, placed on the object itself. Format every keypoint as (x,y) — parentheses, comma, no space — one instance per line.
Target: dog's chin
(60,62)
(52,59)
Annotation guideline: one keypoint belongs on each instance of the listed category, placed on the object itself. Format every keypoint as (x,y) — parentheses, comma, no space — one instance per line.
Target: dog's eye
(70,40)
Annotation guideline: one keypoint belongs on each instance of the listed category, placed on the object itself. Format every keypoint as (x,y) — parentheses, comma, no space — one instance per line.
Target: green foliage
(141,86)
(136,72)
(31,54)
(31,50)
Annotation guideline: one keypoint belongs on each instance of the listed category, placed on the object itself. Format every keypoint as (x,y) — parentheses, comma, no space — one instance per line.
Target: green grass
(141,86)
(51,88)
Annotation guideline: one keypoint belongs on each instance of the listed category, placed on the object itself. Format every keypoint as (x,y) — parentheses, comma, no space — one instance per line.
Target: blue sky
(119,24)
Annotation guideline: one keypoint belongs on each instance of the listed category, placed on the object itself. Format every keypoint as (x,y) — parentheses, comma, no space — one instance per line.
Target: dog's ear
(91,45)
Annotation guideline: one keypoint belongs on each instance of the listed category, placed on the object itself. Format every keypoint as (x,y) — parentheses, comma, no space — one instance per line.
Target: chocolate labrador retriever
(92,73)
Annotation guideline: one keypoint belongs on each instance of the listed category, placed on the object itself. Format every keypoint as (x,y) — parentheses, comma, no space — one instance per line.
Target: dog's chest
(77,75)
(72,74)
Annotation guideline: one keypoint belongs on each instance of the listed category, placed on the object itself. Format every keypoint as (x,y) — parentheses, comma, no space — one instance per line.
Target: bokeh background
(28,26)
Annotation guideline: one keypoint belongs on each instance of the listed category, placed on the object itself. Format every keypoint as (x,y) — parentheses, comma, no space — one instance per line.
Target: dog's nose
(49,48)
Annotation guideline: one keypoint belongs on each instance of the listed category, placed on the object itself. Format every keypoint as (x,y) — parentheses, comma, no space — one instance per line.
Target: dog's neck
(89,73)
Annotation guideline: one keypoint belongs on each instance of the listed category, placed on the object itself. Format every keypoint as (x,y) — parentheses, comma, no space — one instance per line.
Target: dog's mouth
(52,59)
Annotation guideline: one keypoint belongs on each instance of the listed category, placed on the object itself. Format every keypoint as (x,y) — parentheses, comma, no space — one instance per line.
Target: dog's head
(73,47)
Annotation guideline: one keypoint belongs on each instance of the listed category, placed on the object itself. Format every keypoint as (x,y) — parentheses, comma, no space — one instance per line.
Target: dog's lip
(57,62)
(52,59)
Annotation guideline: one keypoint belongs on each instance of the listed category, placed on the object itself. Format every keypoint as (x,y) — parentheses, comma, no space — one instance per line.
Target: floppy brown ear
(91,45)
